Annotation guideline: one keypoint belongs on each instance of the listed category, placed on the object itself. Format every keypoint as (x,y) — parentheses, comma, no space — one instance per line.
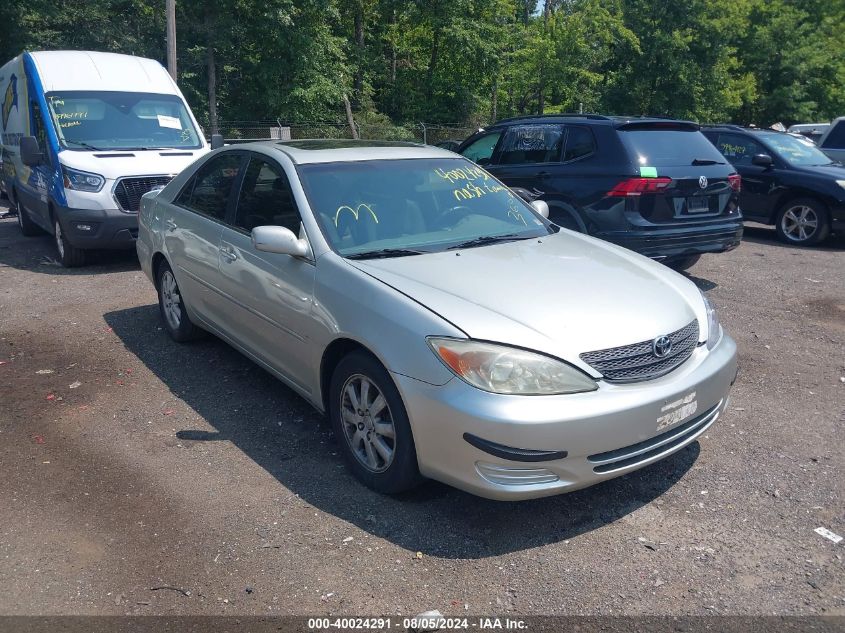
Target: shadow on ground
(286,437)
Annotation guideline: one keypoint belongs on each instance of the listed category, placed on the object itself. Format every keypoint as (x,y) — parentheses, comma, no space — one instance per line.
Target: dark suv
(656,186)
(786,181)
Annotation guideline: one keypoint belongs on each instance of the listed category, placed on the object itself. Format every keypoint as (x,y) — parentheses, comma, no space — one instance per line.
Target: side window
(480,150)
(836,137)
(579,143)
(266,198)
(532,144)
(208,191)
(739,150)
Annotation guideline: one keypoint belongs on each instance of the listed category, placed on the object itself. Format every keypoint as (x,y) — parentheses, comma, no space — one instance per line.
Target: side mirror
(31,154)
(278,239)
(541,207)
(762,160)
(216,141)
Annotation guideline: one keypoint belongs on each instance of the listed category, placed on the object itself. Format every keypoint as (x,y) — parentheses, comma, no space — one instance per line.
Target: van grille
(635,362)
(128,191)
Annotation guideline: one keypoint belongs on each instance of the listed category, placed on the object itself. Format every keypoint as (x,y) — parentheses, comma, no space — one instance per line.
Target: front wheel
(371,425)
(803,222)
(69,256)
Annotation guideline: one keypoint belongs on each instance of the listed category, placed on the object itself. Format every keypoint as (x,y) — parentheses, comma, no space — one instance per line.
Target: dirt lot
(141,476)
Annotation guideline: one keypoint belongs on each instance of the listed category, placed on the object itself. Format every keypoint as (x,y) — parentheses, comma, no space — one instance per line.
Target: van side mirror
(541,207)
(278,239)
(216,141)
(762,160)
(31,154)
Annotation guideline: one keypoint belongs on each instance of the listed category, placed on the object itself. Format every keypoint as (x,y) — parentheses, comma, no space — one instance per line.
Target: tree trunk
(358,79)
(432,64)
(541,90)
(349,119)
(494,100)
(212,87)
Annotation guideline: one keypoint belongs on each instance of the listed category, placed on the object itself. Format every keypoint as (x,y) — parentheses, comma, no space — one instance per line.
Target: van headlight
(714,328)
(82,180)
(508,370)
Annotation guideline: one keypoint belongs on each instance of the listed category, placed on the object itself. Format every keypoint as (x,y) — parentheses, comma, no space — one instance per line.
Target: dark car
(656,186)
(786,181)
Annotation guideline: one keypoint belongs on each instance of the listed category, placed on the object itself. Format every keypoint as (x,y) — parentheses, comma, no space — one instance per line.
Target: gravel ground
(145,477)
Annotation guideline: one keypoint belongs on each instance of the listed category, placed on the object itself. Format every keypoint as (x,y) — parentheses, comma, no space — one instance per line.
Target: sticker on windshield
(172,122)
(648,172)
(676,411)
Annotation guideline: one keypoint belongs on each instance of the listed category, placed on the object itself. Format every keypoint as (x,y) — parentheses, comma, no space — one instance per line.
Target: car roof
(307,151)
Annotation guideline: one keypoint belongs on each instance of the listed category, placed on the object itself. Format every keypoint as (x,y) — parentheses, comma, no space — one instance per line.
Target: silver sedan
(446,327)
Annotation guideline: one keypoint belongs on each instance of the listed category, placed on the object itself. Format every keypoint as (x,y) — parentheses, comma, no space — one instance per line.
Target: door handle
(228,254)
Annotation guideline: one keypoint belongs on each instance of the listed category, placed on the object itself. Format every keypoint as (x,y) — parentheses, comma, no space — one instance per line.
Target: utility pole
(171,37)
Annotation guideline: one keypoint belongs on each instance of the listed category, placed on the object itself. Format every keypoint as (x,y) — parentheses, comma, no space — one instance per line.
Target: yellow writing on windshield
(66,124)
(355,211)
(71,116)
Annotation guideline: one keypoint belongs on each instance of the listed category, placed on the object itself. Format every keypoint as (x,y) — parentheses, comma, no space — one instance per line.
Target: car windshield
(794,150)
(121,120)
(386,208)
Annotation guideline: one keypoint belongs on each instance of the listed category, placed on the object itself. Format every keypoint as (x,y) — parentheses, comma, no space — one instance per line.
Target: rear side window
(836,137)
(531,144)
(738,149)
(665,148)
(480,150)
(208,191)
(579,143)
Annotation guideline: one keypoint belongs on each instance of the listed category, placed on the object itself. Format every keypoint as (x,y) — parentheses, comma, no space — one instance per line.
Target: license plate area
(698,204)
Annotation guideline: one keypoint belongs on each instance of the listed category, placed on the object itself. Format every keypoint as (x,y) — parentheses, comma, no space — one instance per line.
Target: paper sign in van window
(169,121)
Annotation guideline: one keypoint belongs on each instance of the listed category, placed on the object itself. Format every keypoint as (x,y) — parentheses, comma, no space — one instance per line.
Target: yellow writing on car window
(462,173)
(67,124)
(355,211)
(471,190)
(732,150)
(70,116)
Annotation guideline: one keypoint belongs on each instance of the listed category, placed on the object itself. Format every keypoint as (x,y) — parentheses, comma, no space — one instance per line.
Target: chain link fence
(432,134)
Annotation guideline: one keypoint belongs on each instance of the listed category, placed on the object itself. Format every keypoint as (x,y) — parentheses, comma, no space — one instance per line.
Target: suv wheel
(69,256)
(803,221)
(371,425)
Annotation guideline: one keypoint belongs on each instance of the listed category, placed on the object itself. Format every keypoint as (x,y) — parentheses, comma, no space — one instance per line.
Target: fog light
(506,476)
(84,227)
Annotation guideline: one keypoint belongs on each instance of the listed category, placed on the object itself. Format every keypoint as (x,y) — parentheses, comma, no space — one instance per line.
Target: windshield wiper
(385,252)
(85,145)
(706,161)
(488,239)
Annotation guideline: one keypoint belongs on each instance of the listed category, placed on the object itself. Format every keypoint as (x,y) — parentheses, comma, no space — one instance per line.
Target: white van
(84,136)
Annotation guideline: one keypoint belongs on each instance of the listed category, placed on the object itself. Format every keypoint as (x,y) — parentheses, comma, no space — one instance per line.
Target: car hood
(563,294)
(113,164)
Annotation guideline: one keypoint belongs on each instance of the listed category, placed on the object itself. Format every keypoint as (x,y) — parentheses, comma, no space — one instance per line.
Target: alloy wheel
(367,423)
(799,223)
(171,300)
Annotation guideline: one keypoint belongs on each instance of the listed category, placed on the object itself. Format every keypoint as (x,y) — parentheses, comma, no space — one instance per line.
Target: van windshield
(86,120)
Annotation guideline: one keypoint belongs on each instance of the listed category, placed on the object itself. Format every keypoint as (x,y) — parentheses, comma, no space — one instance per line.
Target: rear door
(700,188)
(193,229)
(758,183)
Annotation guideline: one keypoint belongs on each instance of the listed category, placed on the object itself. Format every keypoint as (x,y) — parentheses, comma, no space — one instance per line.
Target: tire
(391,474)
(28,227)
(172,307)
(803,222)
(69,256)
(683,263)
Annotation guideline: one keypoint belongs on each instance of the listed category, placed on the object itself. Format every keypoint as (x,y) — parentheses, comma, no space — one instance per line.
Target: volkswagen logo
(661,346)
(702,182)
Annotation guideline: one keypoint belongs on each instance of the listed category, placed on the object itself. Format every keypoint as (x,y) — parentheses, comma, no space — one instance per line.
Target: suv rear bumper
(108,228)
(664,243)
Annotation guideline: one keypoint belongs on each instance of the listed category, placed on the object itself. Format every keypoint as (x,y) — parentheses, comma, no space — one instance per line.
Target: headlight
(507,370)
(82,180)
(714,329)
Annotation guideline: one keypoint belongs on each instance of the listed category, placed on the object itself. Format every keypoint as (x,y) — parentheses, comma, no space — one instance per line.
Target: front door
(270,296)
(34,188)
(758,183)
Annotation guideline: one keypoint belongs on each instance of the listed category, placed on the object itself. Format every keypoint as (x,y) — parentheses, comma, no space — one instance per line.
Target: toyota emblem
(702,182)
(661,346)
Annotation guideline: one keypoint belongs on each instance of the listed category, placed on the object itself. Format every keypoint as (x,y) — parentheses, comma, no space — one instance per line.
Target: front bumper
(678,241)
(604,433)
(107,228)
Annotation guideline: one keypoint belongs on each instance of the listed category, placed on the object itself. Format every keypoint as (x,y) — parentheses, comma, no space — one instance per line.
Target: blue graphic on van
(11,99)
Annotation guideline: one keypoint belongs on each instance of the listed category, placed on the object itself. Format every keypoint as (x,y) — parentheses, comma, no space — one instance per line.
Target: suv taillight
(735,181)
(639,186)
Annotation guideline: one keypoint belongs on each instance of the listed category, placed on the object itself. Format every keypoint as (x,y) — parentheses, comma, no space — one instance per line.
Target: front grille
(128,191)
(643,451)
(631,363)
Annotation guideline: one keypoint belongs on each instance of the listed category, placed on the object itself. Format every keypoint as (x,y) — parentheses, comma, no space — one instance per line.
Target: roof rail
(730,126)
(573,115)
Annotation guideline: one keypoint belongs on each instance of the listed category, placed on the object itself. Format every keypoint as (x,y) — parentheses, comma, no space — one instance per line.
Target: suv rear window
(665,148)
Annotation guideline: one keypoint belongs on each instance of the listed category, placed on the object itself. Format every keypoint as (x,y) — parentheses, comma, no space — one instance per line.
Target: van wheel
(69,256)
(371,425)
(171,304)
(27,226)
(803,222)
(683,263)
